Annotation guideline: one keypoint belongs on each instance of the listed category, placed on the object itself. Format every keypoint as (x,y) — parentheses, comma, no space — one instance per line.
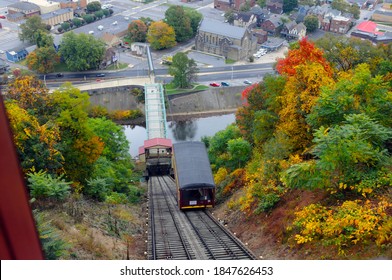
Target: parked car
(214,85)
(1,16)
(225,84)
(59,75)
(100,75)
(247,82)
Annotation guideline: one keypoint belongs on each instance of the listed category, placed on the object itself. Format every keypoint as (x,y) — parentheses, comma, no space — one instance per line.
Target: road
(233,74)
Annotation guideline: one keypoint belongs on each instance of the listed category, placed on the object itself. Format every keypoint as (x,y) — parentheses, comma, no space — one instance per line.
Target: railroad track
(195,234)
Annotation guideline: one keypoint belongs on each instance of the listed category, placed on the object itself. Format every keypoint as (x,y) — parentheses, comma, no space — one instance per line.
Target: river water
(178,131)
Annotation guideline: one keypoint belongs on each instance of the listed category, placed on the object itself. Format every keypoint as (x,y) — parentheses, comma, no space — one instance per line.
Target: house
(302,12)
(110,40)
(21,10)
(3,66)
(154,146)
(109,58)
(139,49)
(16,55)
(273,44)
(383,15)
(261,14)
(293,31)
(300,30)
(273,25)
(275,6)
(340,25)
(261,35)
(368,30)
(245,19)
(232,42)
(46,6)
(68,4)
(57,17)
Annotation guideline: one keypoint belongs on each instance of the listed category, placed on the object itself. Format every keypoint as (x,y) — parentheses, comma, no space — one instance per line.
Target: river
(178,131)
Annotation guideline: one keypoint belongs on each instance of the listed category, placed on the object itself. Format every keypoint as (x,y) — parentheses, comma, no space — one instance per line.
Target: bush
(116,198)
(52,245)
(343,226)
(97,188)
(98,112)
(43,185)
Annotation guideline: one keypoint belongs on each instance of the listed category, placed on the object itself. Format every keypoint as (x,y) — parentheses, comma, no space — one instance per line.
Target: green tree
(245,7)
(30,29)
(230,16)
(347,154)
(195,18)
(176,17)
(81,51)
(106,12)
(289,5)
(43,39)
(93,7)
(137,31)
(161,36)
(45,186)
(261,3)
(88,18)
(65,26)
(346,53)
(183,69)
(311,22)
(239,151)
(147,21)
(99,14)
(77,22)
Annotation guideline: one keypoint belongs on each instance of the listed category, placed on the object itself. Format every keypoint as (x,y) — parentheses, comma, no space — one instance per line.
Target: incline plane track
(186,235)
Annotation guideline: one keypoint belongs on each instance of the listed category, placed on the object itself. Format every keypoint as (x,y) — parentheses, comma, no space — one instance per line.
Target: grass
(61,67)
(171,89)
(229,61)
(114,66)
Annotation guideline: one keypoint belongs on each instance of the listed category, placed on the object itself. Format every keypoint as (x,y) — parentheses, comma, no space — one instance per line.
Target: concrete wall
(213,99)
(118,98)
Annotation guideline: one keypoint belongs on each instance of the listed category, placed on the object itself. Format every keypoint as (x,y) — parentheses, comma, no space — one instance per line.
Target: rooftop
(25,6)
(56,13)
(220,28)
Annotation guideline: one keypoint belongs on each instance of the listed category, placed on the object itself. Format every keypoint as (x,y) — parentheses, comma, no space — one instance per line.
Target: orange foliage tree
(161,35)
(306,52)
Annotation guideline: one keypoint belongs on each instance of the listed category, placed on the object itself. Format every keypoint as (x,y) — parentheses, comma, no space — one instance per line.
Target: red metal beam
(18,235)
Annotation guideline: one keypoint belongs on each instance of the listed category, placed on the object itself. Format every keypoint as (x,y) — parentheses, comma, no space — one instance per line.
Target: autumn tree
(346,53)
(43,60)
(37,145)
(306,52)
(161,36)
(30,94)
(183,69)
(31,28)
(81,147)
(81,51)
(137,31)
(176,17)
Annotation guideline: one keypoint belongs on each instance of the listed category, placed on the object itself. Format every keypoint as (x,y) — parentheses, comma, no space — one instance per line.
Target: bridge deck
(155,111)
